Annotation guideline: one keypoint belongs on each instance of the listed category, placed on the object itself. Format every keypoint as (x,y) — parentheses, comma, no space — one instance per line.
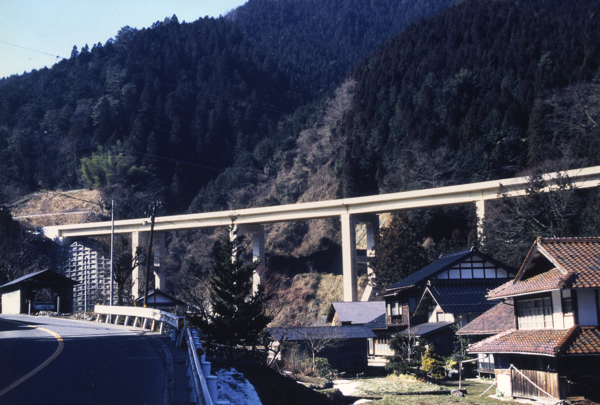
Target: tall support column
(372,227)
(159,258)
(480,210)
(258,251)
(349,257)
(135,274)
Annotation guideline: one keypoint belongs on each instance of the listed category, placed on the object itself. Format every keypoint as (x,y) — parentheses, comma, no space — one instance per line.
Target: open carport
(45,290)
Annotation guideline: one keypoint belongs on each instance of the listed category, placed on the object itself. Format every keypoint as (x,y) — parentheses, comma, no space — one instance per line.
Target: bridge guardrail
(204,386)
(175,325)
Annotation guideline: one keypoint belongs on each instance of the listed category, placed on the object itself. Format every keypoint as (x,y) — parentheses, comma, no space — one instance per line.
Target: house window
(396,309)
(567,306)
(485,362)
(440,317)
(535,313)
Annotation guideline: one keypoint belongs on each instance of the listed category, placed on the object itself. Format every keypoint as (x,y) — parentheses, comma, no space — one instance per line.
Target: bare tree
(408,349)
(125,261)
(318,338)
(553,208)
(18,250)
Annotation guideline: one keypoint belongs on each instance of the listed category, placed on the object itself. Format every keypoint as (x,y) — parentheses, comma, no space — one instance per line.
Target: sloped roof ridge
(457,253)
(440,264)
(594,239)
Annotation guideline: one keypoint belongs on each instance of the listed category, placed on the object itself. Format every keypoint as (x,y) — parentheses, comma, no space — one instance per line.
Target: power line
(33,50)
(231,100)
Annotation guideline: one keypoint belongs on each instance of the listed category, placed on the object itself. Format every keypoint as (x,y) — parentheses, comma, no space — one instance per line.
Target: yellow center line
(61,345)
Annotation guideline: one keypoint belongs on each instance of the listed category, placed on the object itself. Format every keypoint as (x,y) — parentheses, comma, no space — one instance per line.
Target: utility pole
(150,257)
(85,259)
(112,248)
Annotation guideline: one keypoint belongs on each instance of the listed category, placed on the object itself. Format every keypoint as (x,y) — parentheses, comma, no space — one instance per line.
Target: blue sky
(51,27)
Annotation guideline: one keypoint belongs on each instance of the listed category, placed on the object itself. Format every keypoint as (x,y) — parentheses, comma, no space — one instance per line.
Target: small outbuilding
(44,290)
(160,300)
(346,349)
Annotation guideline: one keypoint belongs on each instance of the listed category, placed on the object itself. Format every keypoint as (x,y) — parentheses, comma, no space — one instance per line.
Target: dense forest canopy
(286,101)
(317,42)
(460,96)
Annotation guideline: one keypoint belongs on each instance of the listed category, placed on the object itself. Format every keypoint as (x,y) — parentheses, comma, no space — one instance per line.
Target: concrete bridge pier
(349,257)
(258,250)
(140,239)
(371,222)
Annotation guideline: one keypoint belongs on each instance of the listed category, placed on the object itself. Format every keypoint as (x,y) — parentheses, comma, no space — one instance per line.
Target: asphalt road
(97,363)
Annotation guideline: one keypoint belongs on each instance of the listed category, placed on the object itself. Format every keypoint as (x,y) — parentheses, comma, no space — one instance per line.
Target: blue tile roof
(462,297)
(445,261)
(425,329)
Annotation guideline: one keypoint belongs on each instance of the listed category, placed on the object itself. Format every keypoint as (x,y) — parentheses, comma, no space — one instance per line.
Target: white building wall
(587,308)
(433,316)
(557,313)
(11,303)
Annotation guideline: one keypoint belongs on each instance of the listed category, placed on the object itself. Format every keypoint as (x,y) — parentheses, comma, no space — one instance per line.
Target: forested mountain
(464,96)
(239,111)
(187,93)
(317,42)
(157,113)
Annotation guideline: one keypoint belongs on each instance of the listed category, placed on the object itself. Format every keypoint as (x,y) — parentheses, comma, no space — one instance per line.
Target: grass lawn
(387,388)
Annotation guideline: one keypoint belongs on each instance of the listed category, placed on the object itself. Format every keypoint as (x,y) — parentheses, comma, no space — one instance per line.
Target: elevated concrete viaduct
(351,212)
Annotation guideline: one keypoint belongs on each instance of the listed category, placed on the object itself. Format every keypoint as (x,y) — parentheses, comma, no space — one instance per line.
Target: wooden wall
(539,369)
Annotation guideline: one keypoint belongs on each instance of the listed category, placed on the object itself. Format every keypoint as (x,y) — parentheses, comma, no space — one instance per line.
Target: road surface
(55,361)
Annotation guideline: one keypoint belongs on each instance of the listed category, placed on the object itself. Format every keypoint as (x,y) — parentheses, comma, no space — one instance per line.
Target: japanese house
(553,350)
(457,272)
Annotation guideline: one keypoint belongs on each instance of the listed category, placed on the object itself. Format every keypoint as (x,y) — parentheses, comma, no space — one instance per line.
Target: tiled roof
(576,261)
(498,319)
(587,342)
(322,332)
(377,323)
(444,261)
(462,296)
(578,255)
(539,341)
(428,328)
(550,280)
(358,313)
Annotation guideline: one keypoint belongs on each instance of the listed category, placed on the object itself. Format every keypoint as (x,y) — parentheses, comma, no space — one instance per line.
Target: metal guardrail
(175,325)
(203,385)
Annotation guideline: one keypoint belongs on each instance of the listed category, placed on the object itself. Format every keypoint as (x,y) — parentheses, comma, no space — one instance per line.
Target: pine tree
(235,315)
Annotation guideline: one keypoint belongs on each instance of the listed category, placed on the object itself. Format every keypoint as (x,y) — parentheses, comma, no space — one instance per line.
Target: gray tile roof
(425,329)
(322,332)
(359,313)
(377,323)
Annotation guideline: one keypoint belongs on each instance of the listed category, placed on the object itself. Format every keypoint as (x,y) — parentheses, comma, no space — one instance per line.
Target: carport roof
(46,275)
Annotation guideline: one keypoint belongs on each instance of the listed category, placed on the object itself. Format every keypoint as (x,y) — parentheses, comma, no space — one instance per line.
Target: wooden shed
(349,352)
(45,290)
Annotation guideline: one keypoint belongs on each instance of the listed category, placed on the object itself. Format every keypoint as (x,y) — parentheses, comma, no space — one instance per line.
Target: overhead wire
(231,100)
